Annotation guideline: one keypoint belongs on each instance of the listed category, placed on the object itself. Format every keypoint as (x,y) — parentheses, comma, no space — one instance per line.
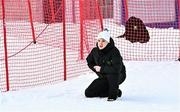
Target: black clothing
(112,72)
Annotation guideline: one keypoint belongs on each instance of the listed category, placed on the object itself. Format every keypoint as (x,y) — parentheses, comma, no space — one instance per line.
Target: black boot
(119,94)
(112,98)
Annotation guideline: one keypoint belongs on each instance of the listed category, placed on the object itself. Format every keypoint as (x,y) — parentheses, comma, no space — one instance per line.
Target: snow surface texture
(149,87)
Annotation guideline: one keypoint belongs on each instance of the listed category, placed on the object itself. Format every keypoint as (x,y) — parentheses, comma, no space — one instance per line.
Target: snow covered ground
(149,87)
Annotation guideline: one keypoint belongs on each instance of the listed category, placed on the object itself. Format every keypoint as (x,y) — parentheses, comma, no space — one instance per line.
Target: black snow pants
(104,87)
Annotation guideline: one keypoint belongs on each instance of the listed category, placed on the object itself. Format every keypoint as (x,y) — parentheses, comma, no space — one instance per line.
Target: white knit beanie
(104,35)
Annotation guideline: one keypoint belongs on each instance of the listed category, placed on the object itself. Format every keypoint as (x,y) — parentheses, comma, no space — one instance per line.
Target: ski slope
(149,87)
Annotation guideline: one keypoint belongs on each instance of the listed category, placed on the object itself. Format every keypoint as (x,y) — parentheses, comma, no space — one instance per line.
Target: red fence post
(31,21)
(5,46)
(73,12)
(81,28)
(52,10)
(64,36)
(126,9)
(99,14)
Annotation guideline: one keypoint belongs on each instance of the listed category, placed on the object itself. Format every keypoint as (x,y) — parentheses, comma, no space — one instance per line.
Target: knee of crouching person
(86,93)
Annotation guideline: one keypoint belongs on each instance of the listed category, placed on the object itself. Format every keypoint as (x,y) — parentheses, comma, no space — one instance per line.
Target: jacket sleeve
(90,61)
(114,65)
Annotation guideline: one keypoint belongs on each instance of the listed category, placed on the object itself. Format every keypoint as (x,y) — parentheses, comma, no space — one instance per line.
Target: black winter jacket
(109,59)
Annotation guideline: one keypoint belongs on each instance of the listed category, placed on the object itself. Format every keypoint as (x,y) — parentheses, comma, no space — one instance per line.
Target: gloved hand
(97,68)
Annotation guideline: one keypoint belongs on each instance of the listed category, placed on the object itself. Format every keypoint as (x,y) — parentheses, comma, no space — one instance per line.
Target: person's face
(102,43)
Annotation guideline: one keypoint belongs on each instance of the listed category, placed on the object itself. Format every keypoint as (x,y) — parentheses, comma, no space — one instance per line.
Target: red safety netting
(47,41)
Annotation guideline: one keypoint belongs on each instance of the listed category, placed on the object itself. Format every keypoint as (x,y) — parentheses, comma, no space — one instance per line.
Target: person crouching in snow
(106,61)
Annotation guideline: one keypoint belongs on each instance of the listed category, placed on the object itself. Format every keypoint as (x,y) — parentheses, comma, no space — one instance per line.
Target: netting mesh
(47,41)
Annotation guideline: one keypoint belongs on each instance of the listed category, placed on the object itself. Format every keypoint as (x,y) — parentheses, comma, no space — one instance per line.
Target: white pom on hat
(104,35)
